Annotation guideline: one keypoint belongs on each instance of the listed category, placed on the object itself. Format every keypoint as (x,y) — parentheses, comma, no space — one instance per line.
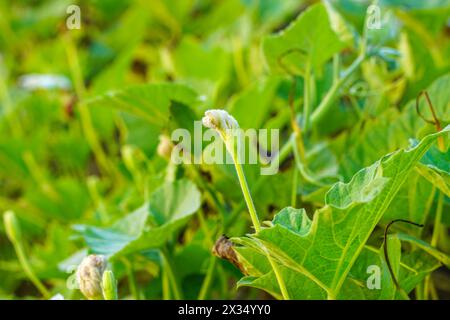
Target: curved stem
(13,122)
(294,189)
(131,280)
(437,221)
(280,157)
(434,241)
(165,286)
(307,97)
(336,63)
(85,116)
(255,220)
(247,196)
(386,254)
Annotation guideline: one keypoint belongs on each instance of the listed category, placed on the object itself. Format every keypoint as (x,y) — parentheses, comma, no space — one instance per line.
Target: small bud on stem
(12,227)
(225,124)
(14,234)
(109,285)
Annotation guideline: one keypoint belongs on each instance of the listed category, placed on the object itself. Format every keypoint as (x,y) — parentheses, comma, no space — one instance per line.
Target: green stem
(92,184)
(254,216)
(238,60)
(294,188)
(165,285)
(247,196)
(13,122)
(29,271)
(434,241)
(199,180)
(330,296)
(208,279)
(302,167)
(336,67)
(327,102)
(437,221)
(38,174)
(131,280)
(212,264)
(85,117)
(281,156)
(109,286)
(419,291)
(307,97)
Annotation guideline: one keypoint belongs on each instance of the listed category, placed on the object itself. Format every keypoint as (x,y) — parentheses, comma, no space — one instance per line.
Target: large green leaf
(309,38)
(410,269)
(325,250)
(442,257)
(147,109)
(150,226)
(413,202)
(201,66)
(392,130)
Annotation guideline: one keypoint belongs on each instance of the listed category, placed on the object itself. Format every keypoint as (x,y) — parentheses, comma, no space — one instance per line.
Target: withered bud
(223,248)
(89,276)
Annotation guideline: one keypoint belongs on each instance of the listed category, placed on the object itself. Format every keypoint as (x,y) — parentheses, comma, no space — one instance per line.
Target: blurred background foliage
(78,151)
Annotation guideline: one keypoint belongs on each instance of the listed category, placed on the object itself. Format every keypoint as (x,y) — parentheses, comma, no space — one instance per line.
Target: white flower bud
(89,276)
(219,120)
(57,296)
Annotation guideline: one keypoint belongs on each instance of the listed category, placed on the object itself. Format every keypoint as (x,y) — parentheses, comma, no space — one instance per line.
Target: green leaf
(150,226)
(327,248)
(413,202)
(309,38)
(293,219)
(435,167)
(341,27)
(150,102)
(442,257)
(440,98)
(410,270)
(259,94)
(201,66)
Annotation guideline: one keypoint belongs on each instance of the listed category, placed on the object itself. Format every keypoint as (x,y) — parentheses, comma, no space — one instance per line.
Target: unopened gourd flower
(109,285)
(89,276)
(225,125)
(12,227)
(14,234)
